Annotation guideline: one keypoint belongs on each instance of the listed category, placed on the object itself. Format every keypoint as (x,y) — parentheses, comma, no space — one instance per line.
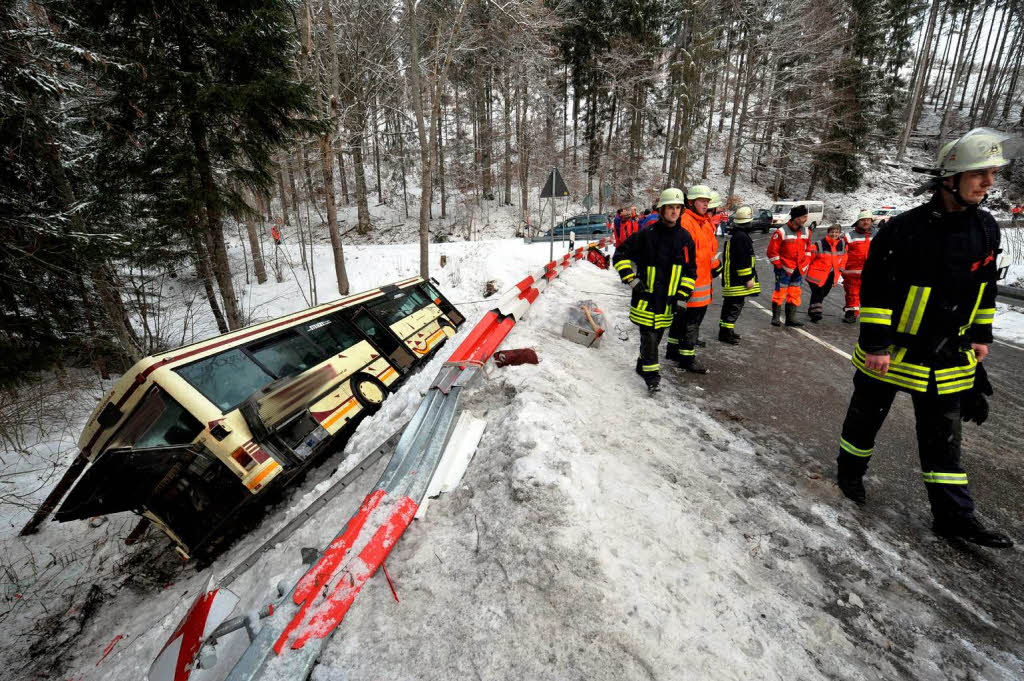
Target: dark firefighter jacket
(664,257)
(928,291)
(738,265)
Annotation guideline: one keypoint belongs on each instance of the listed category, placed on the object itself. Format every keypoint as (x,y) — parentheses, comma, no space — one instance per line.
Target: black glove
(973,405)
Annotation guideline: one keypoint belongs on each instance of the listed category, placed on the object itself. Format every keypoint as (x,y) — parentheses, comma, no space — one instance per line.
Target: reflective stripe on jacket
(702,231)
(857,247)
(787,248)
(827,255)
(664,257)
(738,266)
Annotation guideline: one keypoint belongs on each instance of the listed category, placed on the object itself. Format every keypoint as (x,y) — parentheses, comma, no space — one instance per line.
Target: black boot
(791,315)
(852,486)
(971,530)
(776,314)
(728,336)
(692,364)
(653,384)
(672,352)
(850,317)
(639,365)
(814,313)
(700,344)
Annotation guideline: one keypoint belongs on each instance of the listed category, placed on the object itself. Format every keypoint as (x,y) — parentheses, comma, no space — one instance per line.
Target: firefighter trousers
(787,287)
(684,332)
(938,440)
(731,308)
(647,363)
(818,293)
(851,284)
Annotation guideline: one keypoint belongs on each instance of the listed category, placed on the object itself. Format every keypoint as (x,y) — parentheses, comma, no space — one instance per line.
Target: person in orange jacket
(858,241)
(787,252)
(828,257)
(685,329)
(275,233)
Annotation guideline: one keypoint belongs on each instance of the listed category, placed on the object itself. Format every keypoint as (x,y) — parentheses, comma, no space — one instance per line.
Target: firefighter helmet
(715,202)
(699,191)
(743,215)
(670,196)
(977,149)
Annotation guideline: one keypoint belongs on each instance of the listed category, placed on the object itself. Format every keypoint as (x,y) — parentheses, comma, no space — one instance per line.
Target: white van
(815,212)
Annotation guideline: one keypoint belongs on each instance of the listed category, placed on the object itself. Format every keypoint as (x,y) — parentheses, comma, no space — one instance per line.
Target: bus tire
(369,392)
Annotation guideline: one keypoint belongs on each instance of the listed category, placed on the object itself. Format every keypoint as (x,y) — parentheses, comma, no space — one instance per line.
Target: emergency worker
(787,252)
(275,234)
(739,276)
(828,257)
(858,242)
(659,263)
(929,290)
(718,217)
(683,335)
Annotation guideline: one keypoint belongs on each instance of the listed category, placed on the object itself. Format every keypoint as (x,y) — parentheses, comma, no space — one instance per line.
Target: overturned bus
(189,437)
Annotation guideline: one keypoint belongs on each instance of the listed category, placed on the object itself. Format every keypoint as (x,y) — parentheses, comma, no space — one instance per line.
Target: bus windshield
(392,310)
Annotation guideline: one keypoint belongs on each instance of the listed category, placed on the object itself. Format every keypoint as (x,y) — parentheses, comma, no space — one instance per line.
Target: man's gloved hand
(638,284)
(680,305)
(973,405)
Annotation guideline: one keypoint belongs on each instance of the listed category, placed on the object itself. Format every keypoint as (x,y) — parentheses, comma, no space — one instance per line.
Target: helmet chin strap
(955,192)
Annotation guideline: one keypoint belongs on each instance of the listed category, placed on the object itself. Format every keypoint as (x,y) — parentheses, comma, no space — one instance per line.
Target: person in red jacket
(685,329)
(858,241)
(828,257)
(788,254)
(275,233)
(1016,212)
(625,225)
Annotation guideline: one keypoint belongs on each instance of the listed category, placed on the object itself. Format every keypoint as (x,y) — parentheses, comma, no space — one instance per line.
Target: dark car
(762,223)
(585,227)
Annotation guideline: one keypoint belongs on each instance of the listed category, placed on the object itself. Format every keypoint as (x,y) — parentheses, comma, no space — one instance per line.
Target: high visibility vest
(827,256)
(857,246)
(703,233)
(788,248)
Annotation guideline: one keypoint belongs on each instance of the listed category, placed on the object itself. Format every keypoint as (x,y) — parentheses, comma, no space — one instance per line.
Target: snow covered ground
(597,534)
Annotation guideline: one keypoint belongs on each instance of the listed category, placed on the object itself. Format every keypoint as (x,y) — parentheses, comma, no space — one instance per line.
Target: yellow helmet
(670,196)
(699,191)
(743,215)
(716,201)
(865,214)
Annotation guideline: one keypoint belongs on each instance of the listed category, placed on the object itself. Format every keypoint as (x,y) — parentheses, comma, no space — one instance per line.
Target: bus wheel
(369,392)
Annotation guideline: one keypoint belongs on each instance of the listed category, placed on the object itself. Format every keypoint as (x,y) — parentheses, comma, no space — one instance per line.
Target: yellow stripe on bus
(388,373)
(427,342)
(255,482)
(347,406)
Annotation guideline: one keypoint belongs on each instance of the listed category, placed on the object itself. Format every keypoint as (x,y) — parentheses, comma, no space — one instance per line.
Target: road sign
(555,186)
(606,191)
(588,201)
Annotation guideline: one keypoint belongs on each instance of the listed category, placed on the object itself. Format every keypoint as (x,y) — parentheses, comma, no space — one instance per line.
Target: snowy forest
(139,137)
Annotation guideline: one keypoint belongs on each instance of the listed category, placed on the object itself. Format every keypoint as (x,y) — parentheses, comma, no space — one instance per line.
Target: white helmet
(672,195)
(865,214)
(743,215)
(699,191)
(715,202)
(976,149)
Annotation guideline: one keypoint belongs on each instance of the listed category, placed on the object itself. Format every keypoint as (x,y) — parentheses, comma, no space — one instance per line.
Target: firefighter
(659,263)
(929,290)
(828,257)
(739,276)
(718,217)
(858,242)
(787,252)
(683,336)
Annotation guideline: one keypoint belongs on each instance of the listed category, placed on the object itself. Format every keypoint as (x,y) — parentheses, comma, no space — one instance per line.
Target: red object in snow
(597,257)
(110,646)
(504,358)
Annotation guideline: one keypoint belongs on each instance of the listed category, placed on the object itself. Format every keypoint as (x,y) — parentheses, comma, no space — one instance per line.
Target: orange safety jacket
(827,256)
(788,248)
(857,246)
(702,230)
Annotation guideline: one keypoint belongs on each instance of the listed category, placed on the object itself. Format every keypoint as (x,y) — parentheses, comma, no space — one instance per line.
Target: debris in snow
(855,600)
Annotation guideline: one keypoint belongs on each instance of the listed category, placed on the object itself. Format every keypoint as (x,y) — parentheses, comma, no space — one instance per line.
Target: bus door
(381,337)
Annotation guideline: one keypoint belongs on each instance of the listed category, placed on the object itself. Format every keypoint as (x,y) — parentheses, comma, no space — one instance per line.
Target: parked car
(815,212)
(585,226)
(880,216)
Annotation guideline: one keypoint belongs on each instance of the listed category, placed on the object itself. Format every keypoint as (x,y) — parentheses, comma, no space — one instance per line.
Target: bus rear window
(226,379)
(158,421)
(404,303)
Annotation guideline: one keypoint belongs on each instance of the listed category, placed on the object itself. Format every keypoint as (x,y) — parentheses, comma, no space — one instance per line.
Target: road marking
(1009,345)
(809,335)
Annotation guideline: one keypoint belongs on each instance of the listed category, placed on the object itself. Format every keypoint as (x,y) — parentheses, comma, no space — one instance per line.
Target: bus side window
(332,334)
(226,379)
(286,354)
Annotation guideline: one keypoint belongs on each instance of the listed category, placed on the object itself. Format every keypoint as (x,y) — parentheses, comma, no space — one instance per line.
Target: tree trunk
(327,163)
(342,175)
(204,270)
(961,54)
(974,54)
(440,161)
(284,196)
(483,134)
(376,154)
(257,257)
(506,96)
(522,106)
(735,109)
(425,148)
(981,69)
(915,98)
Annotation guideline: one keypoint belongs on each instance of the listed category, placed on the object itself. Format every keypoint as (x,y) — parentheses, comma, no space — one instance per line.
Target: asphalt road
(787,392)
